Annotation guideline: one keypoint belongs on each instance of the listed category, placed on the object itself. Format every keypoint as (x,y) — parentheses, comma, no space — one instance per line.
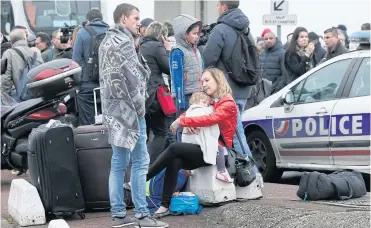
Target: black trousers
(157,123)
(85,105)
(177,156)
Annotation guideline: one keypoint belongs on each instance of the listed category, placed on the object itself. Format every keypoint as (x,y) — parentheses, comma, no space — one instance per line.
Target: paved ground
(279,208)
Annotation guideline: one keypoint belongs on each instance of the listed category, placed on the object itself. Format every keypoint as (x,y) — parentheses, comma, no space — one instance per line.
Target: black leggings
(177,156)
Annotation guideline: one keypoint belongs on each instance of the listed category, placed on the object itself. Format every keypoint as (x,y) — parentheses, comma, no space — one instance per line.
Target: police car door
(350,127)
(302,130)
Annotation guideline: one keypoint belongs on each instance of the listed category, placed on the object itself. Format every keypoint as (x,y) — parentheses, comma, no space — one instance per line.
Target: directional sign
(279,7)
(290,19)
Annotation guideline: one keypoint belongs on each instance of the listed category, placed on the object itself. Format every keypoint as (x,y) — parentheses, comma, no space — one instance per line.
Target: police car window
(323,84)
(297,90)
(361,83)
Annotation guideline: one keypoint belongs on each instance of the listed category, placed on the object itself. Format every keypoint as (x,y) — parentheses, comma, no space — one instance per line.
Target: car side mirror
(288,98)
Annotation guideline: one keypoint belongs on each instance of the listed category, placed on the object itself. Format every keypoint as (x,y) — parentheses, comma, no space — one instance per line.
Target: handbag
(242,169)
(166,101)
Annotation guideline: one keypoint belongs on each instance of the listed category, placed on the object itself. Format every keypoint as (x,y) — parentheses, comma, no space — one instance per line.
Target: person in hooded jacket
(273,62)
(186,31)
(155,49)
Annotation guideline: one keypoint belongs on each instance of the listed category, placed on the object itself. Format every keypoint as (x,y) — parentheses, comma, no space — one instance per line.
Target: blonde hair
(156,30)
(197,97)
(223,86)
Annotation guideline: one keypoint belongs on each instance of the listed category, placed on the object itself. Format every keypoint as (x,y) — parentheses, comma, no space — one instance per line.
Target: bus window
(48,16)
(7,18)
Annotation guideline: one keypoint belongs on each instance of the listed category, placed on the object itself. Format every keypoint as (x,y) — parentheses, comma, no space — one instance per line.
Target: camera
(205,33)
(66,33)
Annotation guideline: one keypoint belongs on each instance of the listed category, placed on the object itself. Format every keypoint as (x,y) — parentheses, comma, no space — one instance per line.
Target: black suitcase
(94,155)
(94,163)
(53,170)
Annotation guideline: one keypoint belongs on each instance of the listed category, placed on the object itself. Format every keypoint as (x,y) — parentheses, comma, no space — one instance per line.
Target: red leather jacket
(225,115)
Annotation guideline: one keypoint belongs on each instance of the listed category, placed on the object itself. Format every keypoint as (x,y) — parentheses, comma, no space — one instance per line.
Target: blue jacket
(221,43)
(273,64)
(81,50)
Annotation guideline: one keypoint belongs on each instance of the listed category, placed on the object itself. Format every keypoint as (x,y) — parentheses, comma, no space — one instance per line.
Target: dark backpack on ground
(21,88)
(243,66)
(92,66)
(338,185)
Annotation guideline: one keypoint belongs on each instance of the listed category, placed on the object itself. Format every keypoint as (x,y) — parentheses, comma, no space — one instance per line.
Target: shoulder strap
(19,53)
(50,55)
(90,30)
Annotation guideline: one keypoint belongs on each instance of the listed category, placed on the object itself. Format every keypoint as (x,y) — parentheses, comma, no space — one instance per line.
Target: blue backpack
(156,186)
(21,88)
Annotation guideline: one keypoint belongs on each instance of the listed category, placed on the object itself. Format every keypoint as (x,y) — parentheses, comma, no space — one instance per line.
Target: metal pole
(279,31)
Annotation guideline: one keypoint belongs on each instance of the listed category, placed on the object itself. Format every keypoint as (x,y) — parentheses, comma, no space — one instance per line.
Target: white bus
(44,16)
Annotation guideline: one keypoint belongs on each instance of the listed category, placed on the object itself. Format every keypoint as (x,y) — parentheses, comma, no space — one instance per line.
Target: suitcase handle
(95,100)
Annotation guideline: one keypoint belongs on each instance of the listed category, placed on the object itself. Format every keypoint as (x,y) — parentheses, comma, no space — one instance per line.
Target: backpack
(243,65)
(156,186)
(21,88)
(92,66)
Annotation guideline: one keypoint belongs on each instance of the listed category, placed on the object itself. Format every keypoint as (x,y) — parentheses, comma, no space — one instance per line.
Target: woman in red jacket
(190,156)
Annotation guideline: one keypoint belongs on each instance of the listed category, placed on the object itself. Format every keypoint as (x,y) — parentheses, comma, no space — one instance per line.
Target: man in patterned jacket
(124,74)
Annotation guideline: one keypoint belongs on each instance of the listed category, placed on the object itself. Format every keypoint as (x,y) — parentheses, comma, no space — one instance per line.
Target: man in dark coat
(334,47)
(273,62)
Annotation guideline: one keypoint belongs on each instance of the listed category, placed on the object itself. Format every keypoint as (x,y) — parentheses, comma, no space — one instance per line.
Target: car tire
(257,140)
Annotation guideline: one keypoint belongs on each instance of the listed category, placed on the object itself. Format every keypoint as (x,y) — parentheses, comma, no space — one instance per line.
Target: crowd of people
(134,61)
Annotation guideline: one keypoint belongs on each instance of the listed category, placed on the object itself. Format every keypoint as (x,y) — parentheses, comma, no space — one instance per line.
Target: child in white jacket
(208,137)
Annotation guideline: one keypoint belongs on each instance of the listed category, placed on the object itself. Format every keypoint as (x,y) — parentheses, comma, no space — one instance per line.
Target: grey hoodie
(193,65)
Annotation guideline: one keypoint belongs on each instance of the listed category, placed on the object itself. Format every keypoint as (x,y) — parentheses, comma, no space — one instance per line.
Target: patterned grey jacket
(123,77)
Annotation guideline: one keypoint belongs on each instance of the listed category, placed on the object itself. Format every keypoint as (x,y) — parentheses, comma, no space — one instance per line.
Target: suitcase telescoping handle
(95,99)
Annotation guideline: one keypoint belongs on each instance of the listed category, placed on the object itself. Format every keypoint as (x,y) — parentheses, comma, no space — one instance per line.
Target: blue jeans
(139,169)
(236,143)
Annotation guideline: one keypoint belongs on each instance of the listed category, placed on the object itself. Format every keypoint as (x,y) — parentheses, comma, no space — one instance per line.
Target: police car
(320,121)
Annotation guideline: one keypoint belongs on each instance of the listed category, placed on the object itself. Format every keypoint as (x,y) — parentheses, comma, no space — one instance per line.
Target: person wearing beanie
(272,60)
(265,31)
(319,53)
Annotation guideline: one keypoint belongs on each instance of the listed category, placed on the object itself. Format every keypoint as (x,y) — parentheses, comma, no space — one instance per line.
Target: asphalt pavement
(280,207)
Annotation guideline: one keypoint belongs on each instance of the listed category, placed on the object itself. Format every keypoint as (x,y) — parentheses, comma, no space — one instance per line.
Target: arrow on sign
(277,7)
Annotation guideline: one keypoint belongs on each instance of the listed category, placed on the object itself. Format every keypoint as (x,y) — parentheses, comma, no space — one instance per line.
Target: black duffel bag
(338,185)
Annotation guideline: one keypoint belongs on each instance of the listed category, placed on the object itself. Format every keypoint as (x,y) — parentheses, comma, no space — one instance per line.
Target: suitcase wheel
(81,214)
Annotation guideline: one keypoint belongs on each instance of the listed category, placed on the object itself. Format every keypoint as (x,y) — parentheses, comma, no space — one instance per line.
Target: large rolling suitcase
(94,163)
(53,170)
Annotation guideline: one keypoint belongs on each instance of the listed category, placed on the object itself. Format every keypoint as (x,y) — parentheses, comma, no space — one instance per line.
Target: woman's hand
(174,126)
(166,43)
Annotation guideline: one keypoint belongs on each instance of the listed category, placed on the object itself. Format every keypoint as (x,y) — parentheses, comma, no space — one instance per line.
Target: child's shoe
(224,176)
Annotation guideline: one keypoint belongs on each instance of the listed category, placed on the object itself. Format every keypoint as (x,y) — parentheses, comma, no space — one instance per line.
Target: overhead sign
(289,19)
(279,7)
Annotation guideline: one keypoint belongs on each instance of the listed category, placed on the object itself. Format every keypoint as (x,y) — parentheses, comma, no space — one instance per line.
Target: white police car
(320,121)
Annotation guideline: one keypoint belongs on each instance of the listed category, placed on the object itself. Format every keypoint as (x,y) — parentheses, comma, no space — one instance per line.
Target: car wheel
(264,157)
